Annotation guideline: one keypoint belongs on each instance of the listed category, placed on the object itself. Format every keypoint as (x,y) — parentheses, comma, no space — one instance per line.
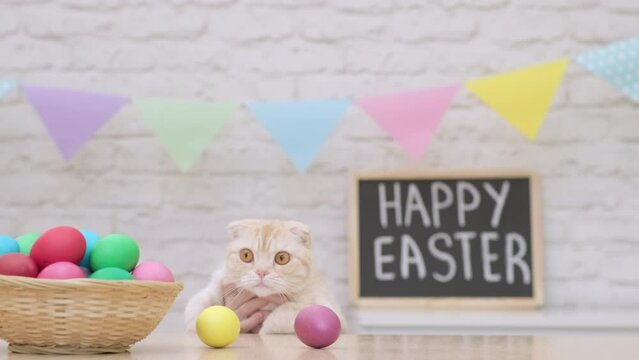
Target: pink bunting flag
(72,116)
(412,117)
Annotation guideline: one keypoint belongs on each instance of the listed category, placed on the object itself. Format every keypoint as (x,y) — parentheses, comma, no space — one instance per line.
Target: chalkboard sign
(445,239)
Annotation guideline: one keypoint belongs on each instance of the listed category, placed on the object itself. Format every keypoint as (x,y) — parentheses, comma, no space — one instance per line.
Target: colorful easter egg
(217,326)
(317,326)
(8,245)
(153,271)
(26,241)
(17,264)
(62,243)
(90,238)
(115,250)
(111,273)
(61,270)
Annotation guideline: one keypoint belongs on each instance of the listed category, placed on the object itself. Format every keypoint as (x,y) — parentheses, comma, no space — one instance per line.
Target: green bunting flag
(185,127)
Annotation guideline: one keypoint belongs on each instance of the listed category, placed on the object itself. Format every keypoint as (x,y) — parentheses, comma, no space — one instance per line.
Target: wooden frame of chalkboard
(532,299)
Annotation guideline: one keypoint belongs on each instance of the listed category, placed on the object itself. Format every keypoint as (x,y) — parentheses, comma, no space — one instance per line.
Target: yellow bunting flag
(522,96)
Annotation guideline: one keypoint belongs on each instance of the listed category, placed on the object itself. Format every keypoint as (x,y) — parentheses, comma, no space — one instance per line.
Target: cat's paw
(268,326)
(265,330)
(189,321)
(193,309)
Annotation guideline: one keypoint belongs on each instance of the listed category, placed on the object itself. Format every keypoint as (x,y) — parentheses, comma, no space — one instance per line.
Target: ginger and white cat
(267,257)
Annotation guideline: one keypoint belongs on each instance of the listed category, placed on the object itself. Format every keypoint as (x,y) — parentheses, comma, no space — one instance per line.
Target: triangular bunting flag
(72,116)
(185,127)
(300,127)
(618,64)
(410,118)
(6,86)
(523,96)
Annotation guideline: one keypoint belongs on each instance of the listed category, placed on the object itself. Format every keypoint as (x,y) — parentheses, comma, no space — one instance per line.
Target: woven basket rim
(85,283)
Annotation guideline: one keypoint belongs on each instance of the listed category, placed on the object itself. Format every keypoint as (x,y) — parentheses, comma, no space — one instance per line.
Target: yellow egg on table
(217,326)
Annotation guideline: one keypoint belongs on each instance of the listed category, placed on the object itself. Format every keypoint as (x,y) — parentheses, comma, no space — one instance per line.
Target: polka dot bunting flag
(618,64)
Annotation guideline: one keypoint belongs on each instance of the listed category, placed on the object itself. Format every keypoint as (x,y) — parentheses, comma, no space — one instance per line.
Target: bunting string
(186,127)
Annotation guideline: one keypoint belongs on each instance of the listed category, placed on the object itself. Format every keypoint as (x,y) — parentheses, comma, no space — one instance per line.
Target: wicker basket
(80,316)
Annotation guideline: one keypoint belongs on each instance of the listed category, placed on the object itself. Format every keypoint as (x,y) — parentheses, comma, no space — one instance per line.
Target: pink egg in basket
(61,270)
(153,271)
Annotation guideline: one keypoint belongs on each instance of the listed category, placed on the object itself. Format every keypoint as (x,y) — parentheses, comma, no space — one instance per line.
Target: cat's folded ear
(300,230)
(236,228)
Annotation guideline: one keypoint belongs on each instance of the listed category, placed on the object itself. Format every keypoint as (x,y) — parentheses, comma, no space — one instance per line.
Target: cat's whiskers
(287,285)
(231,290)
(283,287)
(241,285)
(241,291)
(282,297)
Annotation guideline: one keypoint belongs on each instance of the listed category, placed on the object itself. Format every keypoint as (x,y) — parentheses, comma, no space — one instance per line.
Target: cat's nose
(261,273)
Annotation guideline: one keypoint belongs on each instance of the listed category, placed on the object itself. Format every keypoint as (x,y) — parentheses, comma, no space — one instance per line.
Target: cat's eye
(246,255)
(282,258)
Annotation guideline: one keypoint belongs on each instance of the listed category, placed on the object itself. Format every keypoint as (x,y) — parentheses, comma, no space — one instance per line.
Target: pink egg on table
(153,271)
(17,264)
(317,326)
(62,243)
(61,270)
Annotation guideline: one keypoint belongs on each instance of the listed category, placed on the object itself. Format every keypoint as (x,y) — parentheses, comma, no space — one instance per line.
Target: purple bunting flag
(72,116)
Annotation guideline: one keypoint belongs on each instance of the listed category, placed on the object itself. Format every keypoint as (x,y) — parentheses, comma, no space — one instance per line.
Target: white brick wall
(123,180)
